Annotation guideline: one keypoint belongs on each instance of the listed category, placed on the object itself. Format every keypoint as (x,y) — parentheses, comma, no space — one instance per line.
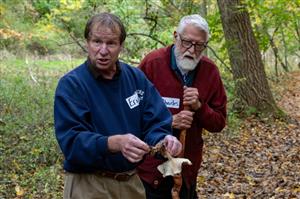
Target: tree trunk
(275,49)
(203,13)
(297,29)
(285,46)
(203,9)
(251,84)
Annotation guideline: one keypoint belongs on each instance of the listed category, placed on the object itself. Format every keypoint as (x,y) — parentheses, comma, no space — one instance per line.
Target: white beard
(186,64)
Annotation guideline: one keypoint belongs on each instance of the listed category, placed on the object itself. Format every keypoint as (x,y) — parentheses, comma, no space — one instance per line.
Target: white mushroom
(172,166)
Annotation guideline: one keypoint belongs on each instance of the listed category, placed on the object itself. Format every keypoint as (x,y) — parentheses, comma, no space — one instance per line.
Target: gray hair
(195,20)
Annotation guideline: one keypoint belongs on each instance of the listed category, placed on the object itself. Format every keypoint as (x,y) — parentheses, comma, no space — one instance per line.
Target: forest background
(255,43)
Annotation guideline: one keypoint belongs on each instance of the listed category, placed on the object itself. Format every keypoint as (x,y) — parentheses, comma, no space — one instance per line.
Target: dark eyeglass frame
(188,44)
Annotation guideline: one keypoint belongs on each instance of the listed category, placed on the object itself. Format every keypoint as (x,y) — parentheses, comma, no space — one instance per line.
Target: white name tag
(133,101)
(171,102)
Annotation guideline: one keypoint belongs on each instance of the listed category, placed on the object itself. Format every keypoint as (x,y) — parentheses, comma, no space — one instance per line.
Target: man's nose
(192,49)
(103,49)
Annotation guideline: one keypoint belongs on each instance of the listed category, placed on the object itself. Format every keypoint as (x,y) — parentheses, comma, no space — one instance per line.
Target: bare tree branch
(296,25)
(146,35)
(67,28)
(77,42)
(68,43)
(215,54)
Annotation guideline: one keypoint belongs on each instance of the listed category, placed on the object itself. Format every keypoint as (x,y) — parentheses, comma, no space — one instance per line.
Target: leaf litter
(262,161)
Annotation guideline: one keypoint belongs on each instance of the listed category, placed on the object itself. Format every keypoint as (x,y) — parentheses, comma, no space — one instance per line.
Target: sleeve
(157,119)
(212,114)
(74,131)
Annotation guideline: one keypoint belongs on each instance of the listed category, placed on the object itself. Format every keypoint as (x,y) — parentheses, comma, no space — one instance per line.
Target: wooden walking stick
(172,167)
(178,178)
(177,164)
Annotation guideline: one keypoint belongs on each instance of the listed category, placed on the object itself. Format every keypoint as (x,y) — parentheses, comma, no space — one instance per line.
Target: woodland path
(262,160)
(290,100)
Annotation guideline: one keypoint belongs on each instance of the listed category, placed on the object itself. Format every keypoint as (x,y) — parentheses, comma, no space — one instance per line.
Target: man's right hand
(132,148)
(183,120)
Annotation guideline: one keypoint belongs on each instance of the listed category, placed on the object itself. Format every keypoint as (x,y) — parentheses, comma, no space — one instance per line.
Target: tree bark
(203,9)
(275,49)
(203,13)
(251,84)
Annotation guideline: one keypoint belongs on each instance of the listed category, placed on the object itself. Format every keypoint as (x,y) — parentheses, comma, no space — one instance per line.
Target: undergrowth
(30,161)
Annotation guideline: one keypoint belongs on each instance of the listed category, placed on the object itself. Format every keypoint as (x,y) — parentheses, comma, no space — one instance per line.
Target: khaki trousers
(92,186)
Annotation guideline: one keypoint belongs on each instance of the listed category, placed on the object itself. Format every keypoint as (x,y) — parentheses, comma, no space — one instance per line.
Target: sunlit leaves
(19,191)
(229,195)
(267,15)
(56,20)
(44,7)
(9,33)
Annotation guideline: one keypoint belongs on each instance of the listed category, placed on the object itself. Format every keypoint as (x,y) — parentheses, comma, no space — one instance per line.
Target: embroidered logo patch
(171,102)
(134,100)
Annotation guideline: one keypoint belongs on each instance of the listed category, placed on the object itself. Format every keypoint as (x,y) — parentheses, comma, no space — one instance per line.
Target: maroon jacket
(211,116)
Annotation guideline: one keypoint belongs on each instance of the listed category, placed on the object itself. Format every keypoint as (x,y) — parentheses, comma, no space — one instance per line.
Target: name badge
(171,102)
(133,101)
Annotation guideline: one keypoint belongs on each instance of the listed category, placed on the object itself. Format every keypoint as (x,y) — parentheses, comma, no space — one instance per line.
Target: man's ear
(175,33)
(175,36)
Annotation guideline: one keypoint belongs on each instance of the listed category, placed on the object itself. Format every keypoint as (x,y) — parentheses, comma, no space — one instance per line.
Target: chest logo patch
(171,102)
(134,100)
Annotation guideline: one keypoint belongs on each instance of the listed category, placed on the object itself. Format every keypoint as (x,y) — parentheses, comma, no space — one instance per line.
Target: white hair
(195,20)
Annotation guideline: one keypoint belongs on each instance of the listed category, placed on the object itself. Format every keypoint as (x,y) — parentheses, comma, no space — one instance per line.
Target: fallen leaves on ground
(262,161)
(290,96)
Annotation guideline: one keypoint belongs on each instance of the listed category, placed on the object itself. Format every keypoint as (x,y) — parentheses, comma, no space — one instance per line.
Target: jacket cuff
(102,145)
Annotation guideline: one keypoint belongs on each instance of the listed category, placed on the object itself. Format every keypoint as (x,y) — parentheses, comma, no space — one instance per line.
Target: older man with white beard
(193,91)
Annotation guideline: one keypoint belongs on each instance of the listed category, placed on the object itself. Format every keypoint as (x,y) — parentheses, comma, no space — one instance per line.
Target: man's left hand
(191,98)
(172,145)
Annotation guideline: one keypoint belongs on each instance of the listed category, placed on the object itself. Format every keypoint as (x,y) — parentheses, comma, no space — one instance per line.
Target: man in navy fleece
(107,114)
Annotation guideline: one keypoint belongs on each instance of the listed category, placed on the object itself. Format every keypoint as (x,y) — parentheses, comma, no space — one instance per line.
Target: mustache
(187,55)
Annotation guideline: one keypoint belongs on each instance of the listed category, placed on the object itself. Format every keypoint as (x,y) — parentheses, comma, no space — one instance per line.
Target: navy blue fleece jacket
(88,109)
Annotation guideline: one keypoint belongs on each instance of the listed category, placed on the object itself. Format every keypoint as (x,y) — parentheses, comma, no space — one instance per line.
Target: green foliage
(30,157)
(44,7)
(234,122)
(270,16)
(51,26)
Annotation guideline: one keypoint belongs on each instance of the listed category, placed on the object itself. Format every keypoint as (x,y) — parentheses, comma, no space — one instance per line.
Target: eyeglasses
(188,44)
